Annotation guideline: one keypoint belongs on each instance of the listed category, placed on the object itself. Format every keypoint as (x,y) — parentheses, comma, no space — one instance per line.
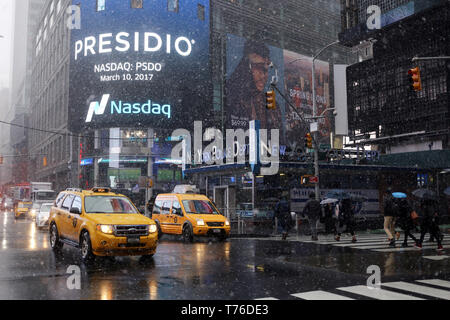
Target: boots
(392,242)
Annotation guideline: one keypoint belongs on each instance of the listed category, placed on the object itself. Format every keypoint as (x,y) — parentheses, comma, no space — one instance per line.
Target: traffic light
(308,141)
(270,100)
(1,159)
(414,78)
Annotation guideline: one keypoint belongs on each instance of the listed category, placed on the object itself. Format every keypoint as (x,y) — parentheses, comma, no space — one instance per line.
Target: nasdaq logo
(121,107)
(97,108)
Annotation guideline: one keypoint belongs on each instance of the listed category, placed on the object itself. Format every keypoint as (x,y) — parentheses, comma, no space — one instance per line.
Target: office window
(101,5)
(137,4)
(201,12)
(172,5)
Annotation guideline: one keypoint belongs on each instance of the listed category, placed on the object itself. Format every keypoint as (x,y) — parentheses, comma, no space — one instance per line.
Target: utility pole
(316,142)
(314,117)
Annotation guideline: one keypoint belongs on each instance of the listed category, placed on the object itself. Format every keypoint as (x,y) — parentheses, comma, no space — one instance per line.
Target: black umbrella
(447,191)
(424,194)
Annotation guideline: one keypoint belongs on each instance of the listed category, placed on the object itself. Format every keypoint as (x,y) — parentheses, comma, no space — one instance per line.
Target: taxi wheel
(187,234)
(55,243)
(86,248)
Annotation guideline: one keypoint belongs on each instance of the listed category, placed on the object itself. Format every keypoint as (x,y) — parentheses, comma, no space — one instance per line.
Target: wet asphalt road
(238,269)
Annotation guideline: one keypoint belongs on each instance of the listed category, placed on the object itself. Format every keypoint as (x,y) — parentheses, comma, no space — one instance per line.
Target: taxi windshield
(108,204)
(199,207)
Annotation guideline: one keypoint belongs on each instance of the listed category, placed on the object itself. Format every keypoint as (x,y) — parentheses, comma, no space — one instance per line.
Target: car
(8,204)
(43,214)
(100,223)
(34,210)
(189,215)
(21,209)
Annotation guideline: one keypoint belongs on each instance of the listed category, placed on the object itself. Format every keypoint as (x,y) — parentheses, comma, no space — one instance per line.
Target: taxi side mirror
(75,210)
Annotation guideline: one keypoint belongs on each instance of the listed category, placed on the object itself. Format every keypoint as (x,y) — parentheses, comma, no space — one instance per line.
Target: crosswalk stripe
(267,298)
(380,294)
(411,248)
(320,295)
(436,282)
(432,292)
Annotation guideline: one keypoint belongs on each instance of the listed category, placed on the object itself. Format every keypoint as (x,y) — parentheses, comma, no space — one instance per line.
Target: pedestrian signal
(414,79)
(308,141)
(270,100)
(305,179)
(1,159)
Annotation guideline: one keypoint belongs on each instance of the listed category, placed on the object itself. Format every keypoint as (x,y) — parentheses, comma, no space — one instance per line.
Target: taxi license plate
(216,230)
(133,240)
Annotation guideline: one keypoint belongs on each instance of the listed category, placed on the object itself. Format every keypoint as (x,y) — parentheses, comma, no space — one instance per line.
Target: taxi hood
(119,218)
(207,217)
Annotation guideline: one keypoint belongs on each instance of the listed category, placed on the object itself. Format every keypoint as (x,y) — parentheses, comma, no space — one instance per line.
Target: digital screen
(137,67)
(249,74)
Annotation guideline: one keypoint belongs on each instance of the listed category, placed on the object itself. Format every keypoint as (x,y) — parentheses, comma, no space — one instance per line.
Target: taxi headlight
(227,223)
(152,228)
(105,228)
(200,222)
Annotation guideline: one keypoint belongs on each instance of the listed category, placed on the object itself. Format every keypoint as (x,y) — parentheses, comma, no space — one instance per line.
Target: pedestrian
(405,221)
(389,211)
(327,218)
(283,215)
(346,217)
(313,211)
(428,211)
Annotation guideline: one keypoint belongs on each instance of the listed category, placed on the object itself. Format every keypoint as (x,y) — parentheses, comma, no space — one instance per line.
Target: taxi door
(166,217)
(74,221)
(62,216)
(177,217)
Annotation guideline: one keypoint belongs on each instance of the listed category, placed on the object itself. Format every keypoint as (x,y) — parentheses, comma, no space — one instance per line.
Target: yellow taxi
(189,215)
(100,223)
(22,208)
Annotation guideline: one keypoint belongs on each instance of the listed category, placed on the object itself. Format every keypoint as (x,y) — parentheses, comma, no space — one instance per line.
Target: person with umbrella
(328,208)
(428,210)
(404,219)
(346,216)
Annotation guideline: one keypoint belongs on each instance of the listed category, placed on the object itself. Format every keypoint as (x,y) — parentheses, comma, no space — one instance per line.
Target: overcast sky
(6,16)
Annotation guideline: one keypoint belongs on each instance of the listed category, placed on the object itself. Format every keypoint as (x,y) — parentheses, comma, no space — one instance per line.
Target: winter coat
(312,209)
(389,206)
(283,214)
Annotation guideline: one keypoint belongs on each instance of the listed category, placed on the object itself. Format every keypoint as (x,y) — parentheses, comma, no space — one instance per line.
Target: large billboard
(251,66)
(142,66)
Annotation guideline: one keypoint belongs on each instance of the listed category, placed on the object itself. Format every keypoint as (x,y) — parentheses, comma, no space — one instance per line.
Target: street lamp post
(315,137)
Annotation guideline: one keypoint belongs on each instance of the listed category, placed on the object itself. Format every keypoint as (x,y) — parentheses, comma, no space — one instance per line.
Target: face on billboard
(144,66)
(249,76)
